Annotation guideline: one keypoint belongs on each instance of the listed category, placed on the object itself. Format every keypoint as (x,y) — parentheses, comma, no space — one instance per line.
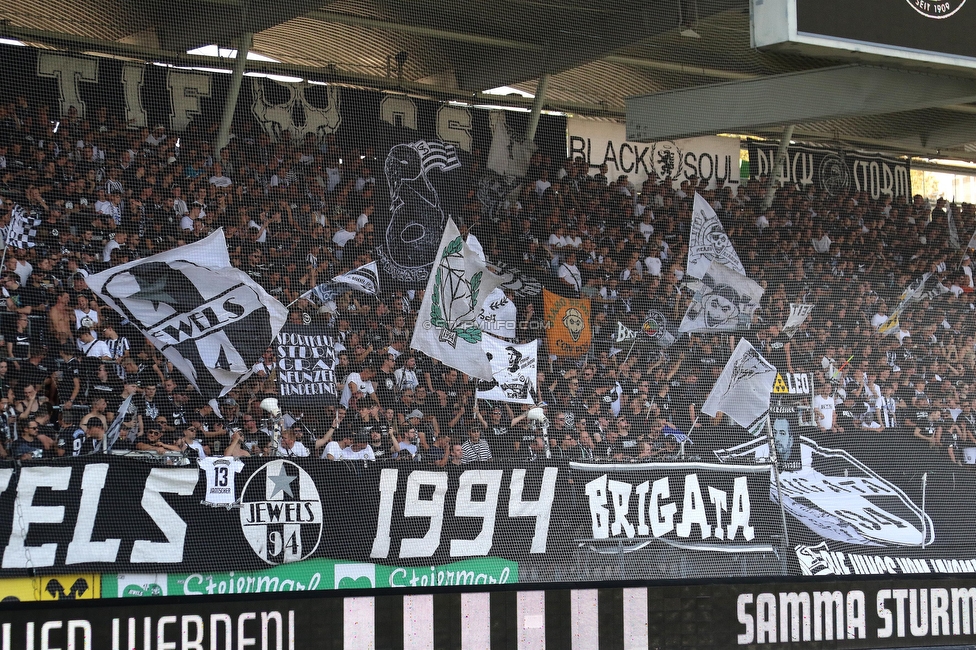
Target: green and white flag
(447,325)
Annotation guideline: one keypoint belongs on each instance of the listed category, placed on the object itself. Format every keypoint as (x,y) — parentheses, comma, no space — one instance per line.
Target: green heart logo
(358,583)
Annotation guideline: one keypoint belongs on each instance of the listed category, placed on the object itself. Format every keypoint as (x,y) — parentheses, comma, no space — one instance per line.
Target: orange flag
(568,329)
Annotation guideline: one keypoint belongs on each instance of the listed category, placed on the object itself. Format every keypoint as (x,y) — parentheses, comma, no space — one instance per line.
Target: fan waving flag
(325,293)
(708,242)
(208,318)
(924,288)
(678,435)
(447,324)
(724,300)
(365,279)
(22,230)
(115,429)
(743,389)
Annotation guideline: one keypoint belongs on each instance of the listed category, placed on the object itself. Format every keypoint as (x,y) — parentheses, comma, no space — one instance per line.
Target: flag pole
(925,479)
(6,240)
(681,445)
(633,343)
(779,485)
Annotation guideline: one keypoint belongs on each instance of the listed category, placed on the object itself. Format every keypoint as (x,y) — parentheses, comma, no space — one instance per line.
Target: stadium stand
(296,213)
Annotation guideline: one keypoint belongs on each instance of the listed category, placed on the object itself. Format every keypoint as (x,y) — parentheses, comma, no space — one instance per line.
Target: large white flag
(724,300)
(447,325)
(209,319)
(743,389)
(708,241)
(514,367)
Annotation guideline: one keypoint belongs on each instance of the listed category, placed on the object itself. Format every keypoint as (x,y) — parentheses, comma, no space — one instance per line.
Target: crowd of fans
(296,213)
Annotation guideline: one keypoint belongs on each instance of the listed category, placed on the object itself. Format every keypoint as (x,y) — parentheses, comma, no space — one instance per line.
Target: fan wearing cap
(414,419)
(359,385)
(153,441)
(360,448)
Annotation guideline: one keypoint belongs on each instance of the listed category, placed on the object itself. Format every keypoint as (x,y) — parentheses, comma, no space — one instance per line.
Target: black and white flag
(509,153)
(209,319)
(115,429)
(365,279)
(514,367)
(22,231)
(925,288)
(419,183)
(743,389)
(724,300)
(326,293)
(799,312)
(624,334)
(708,242)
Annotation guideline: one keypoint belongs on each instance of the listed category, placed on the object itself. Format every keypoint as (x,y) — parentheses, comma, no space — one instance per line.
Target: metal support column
(774,173)
(540,98)
(230,103)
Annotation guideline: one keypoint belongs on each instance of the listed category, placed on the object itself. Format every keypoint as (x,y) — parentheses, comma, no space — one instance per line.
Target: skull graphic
(574,322)
(300,108)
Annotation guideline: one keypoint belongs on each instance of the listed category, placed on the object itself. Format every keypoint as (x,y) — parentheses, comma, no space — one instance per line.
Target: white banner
(499,315)
(799,312)
(713,158)
(514,367)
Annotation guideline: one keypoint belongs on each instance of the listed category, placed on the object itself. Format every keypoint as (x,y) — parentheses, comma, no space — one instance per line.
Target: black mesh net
(380,339)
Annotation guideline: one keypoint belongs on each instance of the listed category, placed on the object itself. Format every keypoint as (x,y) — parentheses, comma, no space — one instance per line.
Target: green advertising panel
(311,575)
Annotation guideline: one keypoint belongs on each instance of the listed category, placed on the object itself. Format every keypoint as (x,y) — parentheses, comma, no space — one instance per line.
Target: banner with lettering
(696,506)
(333,525)
(840,614)
(419,154)
(306,366)
(833,170)
(712,158)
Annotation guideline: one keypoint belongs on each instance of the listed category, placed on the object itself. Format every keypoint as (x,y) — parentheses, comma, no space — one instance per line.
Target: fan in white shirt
(570,274)
(291,446)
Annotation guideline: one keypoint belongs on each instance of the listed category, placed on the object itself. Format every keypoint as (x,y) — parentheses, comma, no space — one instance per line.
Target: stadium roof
(597,54)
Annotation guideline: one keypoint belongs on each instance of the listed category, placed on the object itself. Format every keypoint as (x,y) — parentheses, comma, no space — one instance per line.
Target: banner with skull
(568,327)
